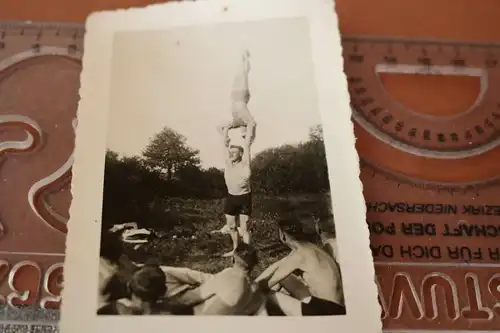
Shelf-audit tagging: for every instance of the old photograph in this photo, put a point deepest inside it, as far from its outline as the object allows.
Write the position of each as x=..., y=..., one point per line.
x=217, y=168
x=219, y=173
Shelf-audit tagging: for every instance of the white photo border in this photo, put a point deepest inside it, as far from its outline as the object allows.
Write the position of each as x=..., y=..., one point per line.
x=81, y=267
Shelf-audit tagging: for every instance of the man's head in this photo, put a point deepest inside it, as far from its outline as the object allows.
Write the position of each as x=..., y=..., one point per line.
x=148, y=283
x=325, y=226
x=245, y=256
x=292, y=231
x=235, y=153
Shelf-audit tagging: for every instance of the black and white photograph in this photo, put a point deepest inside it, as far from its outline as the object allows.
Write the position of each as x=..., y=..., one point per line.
x=216, y=174
x=228, y=180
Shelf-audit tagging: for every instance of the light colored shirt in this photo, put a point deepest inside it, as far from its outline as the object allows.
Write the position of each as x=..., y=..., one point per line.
x=237, y=177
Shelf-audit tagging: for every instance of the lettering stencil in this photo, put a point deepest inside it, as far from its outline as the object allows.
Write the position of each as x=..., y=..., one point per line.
x=430, y=186
x=430, y=178
x=39, y=81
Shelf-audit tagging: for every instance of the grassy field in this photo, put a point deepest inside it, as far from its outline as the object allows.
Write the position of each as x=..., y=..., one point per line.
x=190, y=244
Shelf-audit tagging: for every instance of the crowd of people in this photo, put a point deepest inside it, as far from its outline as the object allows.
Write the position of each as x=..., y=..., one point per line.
x=306, y=282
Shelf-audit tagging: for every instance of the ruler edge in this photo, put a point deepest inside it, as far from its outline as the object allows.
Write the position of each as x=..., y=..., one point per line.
x=4, y=25
x=25, y=23
x=378, y=39
x=361, y=38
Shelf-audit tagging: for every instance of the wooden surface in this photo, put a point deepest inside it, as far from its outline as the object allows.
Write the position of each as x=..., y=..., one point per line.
x=467, y=20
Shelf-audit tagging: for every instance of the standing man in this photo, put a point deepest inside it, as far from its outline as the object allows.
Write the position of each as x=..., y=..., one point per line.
x=238, y=205
x=237, y=158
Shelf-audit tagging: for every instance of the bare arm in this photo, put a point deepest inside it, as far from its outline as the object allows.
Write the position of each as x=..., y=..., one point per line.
x=250, y=133
x=249, y=138
x=280, y=270
x=193, y=297
x=186, y=276
x=224, y=129
x=200, y=294
x=269, y=271
x=286, y=268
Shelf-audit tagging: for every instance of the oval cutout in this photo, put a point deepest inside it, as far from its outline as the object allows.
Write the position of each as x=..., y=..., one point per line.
x=433, y=94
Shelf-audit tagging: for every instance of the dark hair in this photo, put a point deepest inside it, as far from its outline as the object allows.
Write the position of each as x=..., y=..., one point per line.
x=291, y=226
x=149, y=283
x=240, y=148
x=117, y=287
x=248, y=254
x=111, y=246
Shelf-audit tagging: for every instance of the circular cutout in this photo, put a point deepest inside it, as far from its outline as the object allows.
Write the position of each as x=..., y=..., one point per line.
x=399, y=116
x=414, y=91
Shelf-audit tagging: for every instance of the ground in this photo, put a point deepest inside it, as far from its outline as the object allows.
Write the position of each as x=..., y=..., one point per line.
x=190, y=244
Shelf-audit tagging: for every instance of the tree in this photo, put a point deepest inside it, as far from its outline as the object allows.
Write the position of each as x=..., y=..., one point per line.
x=316, y=133
x=273, y=168
x=299, y=168
x=315, y=149
x=168, y=152
x=216, y=185
x=131, y=191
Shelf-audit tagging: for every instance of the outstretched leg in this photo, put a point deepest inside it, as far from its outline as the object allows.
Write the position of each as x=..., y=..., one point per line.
x=240, y=94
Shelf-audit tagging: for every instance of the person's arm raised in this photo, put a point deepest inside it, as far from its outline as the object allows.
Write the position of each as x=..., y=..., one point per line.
x=224, y=129
x=249, y=138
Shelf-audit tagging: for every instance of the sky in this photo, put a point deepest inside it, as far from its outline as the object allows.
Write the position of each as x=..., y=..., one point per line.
x=182, y=79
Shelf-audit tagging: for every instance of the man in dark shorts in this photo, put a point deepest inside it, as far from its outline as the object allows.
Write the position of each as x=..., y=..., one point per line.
x=238, y=204
x=318, y=269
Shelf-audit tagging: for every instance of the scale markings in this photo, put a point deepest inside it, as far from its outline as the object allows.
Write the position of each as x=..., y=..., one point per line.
x=431, y=138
